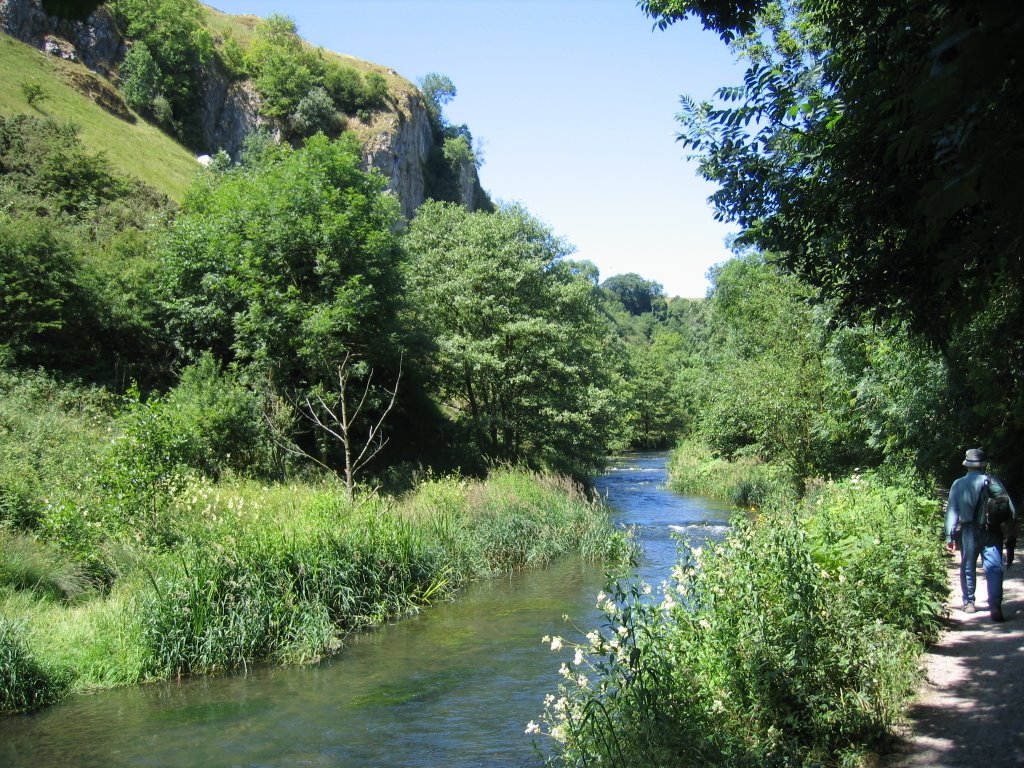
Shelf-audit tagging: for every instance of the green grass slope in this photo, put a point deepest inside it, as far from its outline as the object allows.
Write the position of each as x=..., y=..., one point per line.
x=78, y=96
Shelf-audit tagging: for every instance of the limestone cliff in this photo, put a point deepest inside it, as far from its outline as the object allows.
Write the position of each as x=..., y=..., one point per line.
x=397, y=142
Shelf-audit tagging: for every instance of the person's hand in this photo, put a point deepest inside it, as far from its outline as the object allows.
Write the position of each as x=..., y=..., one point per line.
x=951, y=547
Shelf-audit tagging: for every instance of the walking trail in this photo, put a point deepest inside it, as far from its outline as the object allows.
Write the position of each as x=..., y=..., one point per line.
x=970, y=712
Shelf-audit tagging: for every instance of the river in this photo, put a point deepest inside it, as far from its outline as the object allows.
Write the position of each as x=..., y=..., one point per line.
x=453, y=686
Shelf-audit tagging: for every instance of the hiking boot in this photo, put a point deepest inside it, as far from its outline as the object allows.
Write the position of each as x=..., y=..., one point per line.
x=996, y=612
x=969, y=608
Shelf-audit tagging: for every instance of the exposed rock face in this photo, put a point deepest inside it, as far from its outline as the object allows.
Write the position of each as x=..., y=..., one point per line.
x=469, y=183
x=228, y=112
x=229, y=109
x=401, y=153
x=95, y=42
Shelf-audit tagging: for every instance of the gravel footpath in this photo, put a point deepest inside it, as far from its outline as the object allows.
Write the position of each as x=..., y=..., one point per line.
x=970, y=712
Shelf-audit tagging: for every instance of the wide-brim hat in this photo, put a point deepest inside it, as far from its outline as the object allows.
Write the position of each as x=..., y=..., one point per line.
x=975, y=458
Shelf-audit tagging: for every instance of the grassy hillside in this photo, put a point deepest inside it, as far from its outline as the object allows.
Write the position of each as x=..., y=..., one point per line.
x=74, y=94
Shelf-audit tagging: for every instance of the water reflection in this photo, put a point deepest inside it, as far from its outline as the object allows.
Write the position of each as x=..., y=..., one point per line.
x=453, y=686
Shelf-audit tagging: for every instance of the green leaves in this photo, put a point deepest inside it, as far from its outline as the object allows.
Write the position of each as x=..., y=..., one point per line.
x=518, y=337
x=287, y=263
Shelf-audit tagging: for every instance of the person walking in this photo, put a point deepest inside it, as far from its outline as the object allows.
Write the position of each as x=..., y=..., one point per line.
x=966, y=497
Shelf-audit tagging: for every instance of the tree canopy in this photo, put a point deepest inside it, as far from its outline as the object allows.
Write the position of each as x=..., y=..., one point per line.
x=873, y=148
x=286, y=265
x=518, y=335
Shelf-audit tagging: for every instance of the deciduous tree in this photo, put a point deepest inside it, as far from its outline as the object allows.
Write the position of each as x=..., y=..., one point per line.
x=518, y=335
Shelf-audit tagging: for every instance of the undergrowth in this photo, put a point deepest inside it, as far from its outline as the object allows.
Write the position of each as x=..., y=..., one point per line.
x=794, y=643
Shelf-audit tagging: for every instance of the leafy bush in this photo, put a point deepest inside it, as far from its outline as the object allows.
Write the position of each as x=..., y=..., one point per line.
x=174, y=33
x=793, y=643
x=33, y=91
x=221, y=422
x=140, y=78
x=314, y=113
x=346, y=87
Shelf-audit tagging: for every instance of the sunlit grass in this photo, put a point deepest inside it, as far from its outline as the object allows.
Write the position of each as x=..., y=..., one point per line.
x=282, y=573
x=746, y=482
x=136, y=148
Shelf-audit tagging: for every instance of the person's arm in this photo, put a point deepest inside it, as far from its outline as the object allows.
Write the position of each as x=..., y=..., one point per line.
x=952, y=519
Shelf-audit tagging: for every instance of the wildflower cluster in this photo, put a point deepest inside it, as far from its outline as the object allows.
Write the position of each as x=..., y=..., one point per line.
x=623, y=662
x=791, y=642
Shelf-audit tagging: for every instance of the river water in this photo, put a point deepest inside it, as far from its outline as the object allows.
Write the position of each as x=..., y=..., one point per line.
x=453, y=686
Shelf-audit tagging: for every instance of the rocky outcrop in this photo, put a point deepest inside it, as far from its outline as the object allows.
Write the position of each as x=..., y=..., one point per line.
x=95, y=42
x=400, y=151
x=398, y=145
x=228, y=112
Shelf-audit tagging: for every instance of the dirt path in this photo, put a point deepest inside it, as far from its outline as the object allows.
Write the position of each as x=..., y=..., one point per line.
x=970, y=712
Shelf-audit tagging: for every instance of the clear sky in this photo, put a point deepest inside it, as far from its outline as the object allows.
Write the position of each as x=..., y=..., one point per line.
x=574, y=103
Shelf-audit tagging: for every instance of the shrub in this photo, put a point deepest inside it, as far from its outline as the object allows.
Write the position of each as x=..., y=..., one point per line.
x=33, y=92
x=789, y=644
x=140, y=78
x=315, y=112
x=346, y=87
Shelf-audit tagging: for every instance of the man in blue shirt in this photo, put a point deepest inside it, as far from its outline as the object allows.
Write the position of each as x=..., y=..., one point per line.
x=962, y=512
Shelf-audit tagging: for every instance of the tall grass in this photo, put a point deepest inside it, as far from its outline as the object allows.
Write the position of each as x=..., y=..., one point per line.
x=283, y=573
x=28, y=564
x=24, y=684
x=795, y=642
x=746, y=482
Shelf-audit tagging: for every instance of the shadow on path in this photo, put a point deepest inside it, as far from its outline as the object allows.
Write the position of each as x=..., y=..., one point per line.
x=970, y=712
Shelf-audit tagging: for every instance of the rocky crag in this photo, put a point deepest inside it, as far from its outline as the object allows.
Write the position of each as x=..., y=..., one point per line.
x=398, y=142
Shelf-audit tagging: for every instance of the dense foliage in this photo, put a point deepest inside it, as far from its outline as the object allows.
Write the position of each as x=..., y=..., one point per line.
x=793, y=643
x=872, y=148
x=171, y=45
x=518, y=334
x=75, y=291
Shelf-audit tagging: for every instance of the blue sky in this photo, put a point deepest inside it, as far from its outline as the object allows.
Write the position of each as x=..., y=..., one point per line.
x=574, y=103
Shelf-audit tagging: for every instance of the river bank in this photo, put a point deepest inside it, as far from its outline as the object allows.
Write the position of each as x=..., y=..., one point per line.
x=454, y=685
x=258, y=574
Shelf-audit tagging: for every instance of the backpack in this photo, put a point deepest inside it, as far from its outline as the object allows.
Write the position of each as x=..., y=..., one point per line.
x=993, y=509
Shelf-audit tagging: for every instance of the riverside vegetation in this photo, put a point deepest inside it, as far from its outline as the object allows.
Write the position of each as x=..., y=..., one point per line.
x=185, y=367
x=185, y=575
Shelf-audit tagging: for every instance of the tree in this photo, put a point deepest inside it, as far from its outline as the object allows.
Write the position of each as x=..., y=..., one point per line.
x=762, y=390
x=517, y=332
x=34, y=92
x=438, y=91
x=873, y=148
x=140, y=78
x=637, y=295
x=287, y=267
x=283, y=74
x=337, y=415
x=175, y=35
